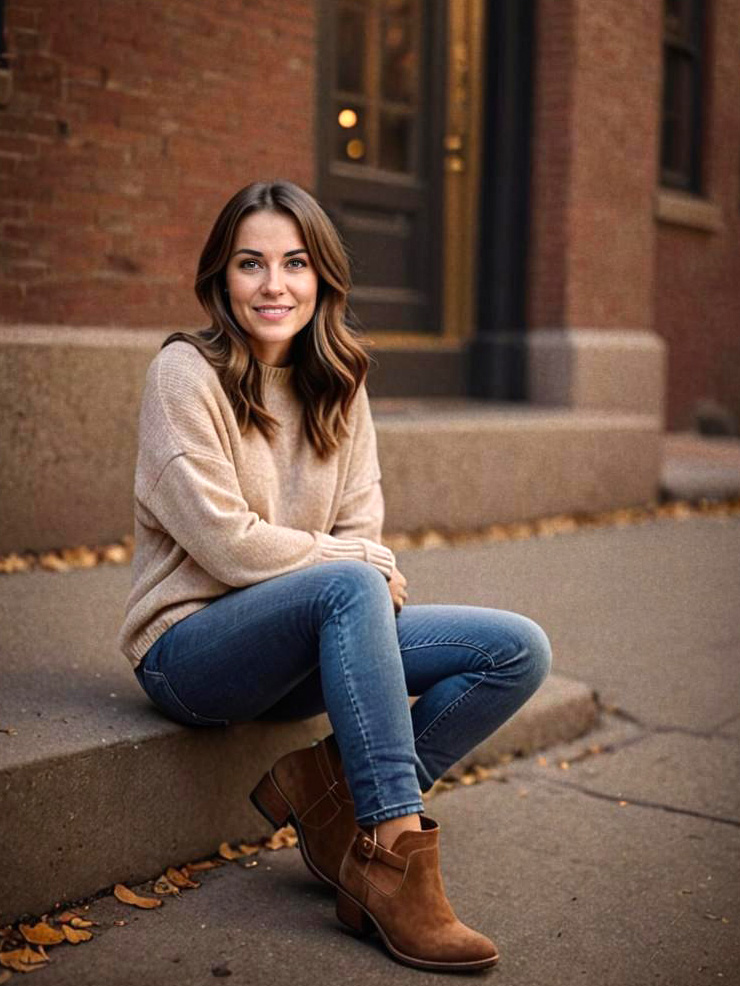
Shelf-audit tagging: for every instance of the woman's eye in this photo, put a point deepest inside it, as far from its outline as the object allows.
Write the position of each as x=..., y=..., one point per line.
x=297, y=260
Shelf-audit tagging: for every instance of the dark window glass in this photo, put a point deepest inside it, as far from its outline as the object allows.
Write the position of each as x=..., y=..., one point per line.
x=683, y=41
x=376, y=92
x=351, y=32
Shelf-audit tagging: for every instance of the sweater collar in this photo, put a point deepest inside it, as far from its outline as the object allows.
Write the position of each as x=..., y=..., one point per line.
x=277, y=374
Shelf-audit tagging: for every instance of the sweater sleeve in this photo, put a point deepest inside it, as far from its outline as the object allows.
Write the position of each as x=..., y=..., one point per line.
x=198, y=501
x=362, y=507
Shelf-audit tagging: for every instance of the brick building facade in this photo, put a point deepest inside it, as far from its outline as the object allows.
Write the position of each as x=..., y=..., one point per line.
x=124, y=125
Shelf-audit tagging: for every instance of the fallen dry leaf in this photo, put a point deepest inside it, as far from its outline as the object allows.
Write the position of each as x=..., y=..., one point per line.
x=178, y=878
x=52, y=562
x=75, y=935
x=78, y=922
x=14, y=563
x=204, y=864
x=41, y=934
x=5, y=976
x=284, y=838
x=80, y=557
x=227, y=852
x=10, y=730
x=250, y=848
x=127, y=896
x=23, y=959
x=163, y=886
x=65, y=916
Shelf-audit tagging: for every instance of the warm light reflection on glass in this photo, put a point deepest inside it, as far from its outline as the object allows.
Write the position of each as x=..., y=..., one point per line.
x=355, y=149
x=347, y=118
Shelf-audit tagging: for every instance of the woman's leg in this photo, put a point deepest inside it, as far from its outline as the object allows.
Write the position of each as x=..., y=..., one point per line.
x=472, y=668
x=245, y=651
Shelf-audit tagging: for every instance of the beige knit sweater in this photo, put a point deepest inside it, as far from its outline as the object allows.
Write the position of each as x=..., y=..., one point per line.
x=215, y=510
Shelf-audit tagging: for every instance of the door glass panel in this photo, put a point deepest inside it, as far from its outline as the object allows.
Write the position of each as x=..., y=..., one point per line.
x=351, y=33
x=399, y=55
x=351, y=139
x=396, y=136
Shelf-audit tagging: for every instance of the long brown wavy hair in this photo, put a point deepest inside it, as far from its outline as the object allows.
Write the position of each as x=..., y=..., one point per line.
x=331, y=361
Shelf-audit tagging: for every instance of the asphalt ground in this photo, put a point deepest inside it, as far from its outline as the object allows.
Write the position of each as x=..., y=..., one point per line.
x=614, y=860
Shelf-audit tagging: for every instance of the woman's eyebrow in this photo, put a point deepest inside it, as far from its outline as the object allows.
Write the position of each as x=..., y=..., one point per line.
x=258, y=253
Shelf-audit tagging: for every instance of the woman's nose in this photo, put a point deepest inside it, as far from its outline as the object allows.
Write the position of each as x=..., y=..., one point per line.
x=274, y=283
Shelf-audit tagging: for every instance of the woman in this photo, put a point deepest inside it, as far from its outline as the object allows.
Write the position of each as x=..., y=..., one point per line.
x=261, y=588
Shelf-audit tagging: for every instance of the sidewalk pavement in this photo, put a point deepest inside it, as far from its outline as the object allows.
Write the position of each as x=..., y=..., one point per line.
x=613, y=860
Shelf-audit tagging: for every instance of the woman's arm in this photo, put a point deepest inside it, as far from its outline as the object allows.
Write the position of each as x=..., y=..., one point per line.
x=362, y=507
x=198, y=501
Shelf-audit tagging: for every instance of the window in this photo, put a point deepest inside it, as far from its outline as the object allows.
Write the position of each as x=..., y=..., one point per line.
x=376, y=83
x=683, y=43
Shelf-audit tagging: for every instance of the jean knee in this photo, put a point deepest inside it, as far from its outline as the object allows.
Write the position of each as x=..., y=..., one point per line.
x=354, y=580
x=539, y=658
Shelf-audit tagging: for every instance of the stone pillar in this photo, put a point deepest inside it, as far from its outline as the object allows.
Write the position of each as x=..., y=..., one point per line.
x=597, y=99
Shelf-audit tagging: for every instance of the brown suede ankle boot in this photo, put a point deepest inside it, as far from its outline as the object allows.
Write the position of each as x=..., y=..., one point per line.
x=308, y=788
x=399, y=893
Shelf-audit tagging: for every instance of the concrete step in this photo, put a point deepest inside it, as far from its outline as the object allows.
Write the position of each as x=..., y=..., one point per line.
x=97, y=787
x=70, y=447
x=696, y=466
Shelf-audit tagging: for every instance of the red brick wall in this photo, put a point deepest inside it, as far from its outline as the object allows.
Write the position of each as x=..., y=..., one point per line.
x=130, y=124
x=697, y=299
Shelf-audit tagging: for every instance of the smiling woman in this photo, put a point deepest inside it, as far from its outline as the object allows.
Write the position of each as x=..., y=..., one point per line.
x=262, y=589
x=271, y=283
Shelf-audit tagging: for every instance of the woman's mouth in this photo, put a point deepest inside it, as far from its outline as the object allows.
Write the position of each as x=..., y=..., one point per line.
x=273, y=312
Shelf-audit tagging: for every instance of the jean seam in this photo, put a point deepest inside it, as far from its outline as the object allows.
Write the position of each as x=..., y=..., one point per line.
x=189, y=713
x=449, y=708
x=467, y=643
x=336, y=619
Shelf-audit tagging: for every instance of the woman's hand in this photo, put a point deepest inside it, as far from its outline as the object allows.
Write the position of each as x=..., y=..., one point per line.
x=397, y=585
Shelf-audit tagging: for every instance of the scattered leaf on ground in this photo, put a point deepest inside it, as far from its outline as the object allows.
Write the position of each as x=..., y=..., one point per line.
x=163, y=887
x=75, y=935
x=41, y=934
x=10, y=730
x=5, y=976
x=204, y=864
x=227, y=852
x=127, y=896
x=23, y=959
x=250, y=848
x=178, y=878
x=284, y=838
x=65, y=916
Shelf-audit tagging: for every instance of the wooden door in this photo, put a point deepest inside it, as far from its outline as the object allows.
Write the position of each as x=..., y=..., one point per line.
x=380, y=160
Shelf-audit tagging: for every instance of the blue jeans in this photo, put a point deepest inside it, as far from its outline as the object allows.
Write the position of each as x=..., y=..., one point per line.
x=327, y=638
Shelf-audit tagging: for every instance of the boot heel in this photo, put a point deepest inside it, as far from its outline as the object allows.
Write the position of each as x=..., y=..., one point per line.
x=351, y=914
x=268, y=800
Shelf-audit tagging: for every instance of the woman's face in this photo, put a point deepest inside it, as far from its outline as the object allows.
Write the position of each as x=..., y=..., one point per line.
x=272, y=283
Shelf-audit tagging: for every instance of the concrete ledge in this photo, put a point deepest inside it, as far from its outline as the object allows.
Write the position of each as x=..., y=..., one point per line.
x=97, y=787
x=69, y=430
x=592, y=368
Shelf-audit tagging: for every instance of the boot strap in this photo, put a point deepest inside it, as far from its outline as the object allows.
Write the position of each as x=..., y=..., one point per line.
x=367, y=849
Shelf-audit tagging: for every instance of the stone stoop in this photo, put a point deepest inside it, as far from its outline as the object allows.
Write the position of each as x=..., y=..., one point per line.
x=69, y=431
x=97, y=787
